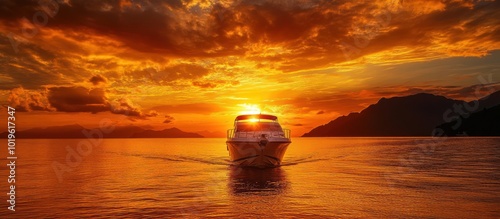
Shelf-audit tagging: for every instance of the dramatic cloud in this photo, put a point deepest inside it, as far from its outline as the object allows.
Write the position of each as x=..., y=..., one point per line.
x=315, y=58
x=74, y=99
x=78, y=99
x=25, y=101
x=294, y=35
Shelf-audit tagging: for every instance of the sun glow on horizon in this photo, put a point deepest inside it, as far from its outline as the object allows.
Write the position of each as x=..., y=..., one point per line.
x=249, y=109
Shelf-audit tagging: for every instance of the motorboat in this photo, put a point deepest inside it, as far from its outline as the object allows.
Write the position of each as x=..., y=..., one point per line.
x=257, y=140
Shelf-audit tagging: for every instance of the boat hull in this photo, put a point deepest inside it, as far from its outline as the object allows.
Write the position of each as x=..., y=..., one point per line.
x=256, y=154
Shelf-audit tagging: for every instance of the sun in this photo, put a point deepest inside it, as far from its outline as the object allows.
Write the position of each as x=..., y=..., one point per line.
x=253, y=120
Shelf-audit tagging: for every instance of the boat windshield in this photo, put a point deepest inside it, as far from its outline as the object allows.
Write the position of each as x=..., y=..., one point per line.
x=258, y=126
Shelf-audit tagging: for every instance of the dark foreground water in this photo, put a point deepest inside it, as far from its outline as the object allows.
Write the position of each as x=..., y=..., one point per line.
x=320, y=178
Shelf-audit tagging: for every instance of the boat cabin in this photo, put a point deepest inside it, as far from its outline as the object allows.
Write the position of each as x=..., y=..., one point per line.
x=249, y=126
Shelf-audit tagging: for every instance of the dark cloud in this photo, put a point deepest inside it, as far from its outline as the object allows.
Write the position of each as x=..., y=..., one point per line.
x=126, y=107
x=309, y=26
x=97, y=79
x=168, y=119
x=78, y=99
x=214, y=83
x=74, y=99
x=445, y=26
x=304, y=28
x=471, y=92
x=30, y=67
x=138, y=27
x=293, y=124
x=204, y=84
x=207, y=84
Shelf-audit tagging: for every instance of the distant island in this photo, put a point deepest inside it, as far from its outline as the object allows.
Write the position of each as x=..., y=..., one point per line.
x=76, y=131
x=418, y=115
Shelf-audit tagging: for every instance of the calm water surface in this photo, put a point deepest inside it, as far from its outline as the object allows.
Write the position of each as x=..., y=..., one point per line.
x=320, y=178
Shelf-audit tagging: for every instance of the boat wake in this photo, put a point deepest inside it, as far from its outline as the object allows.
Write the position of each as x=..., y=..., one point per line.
x=178, y=158
x=223, y=161
x=302, y=160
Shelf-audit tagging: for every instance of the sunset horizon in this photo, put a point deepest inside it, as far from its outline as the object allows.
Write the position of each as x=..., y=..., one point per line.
x=250, y=108
x=211, y=133
x=196, y=65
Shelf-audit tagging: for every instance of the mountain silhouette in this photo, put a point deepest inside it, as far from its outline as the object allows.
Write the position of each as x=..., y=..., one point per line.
x=488, y=101
x=482, y=123
x=414, y=115
x=76, y=131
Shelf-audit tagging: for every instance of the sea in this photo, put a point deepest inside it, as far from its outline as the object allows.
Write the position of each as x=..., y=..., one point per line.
x=395, y=177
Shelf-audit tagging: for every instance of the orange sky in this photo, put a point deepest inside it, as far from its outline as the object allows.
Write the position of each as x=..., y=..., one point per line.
x=195, y=65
